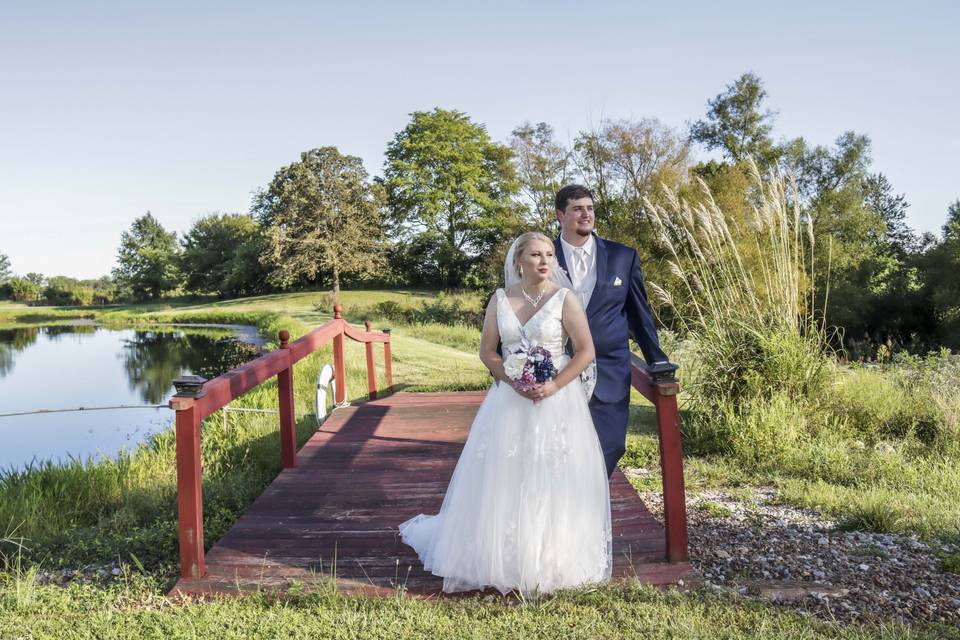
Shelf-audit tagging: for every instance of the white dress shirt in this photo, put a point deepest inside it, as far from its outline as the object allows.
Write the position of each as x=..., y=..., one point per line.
x=584, y=286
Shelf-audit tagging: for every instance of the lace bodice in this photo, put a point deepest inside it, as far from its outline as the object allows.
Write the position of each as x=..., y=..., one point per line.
x=544, y=327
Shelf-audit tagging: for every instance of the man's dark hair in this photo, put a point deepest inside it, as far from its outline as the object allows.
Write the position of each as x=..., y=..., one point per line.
x=571, y=192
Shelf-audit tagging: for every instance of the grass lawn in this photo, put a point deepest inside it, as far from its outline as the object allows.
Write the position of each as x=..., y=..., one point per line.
x=134, y=609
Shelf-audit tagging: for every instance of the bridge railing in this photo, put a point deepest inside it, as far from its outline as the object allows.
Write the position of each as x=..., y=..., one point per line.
x=659, y=385
x=197, y=399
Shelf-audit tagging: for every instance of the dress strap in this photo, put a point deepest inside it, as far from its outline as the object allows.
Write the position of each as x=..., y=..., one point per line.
x=557, y=311
x=560, y=294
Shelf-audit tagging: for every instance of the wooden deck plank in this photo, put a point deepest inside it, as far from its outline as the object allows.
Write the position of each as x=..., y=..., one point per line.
x=370, y=467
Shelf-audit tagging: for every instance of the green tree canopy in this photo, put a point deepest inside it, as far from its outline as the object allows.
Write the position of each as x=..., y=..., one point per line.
x=879, y=197
x=447, y=180
x=737, y=124
x=543, y=167
x=221, y=255
x=951, y=228
x=5, y=271
x=65, y=290
x=147, y=259
x=24, y=290
x=627, y=161
x=321, y=217
x=940, y=265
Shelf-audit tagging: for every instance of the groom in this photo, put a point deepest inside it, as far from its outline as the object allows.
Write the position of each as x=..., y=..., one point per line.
x=606, y=278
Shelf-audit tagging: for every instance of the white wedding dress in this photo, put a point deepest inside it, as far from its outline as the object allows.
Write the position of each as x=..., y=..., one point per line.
x=528, y=505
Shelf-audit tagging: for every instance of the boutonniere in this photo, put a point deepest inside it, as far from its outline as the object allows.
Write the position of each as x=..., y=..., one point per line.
x=617, y=281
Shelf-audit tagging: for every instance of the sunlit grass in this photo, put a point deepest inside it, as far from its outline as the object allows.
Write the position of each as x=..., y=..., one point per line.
x=132, y=608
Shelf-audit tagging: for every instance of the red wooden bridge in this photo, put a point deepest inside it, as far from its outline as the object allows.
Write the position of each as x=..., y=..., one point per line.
x=332, y=513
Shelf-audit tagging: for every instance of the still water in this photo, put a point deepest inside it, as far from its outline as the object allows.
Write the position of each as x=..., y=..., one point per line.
x=65, y=367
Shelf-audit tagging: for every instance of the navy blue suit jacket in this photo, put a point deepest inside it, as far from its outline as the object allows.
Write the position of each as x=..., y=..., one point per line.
x=616, y=312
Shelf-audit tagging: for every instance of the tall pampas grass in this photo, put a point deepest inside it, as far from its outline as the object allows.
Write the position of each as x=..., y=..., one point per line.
x=743, y=293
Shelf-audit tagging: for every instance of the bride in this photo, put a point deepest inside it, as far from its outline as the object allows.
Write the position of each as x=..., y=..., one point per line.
x=528, y=505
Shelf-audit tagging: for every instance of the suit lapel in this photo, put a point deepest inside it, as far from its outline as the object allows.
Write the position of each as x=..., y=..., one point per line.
x=601, y=271
x=561, y=259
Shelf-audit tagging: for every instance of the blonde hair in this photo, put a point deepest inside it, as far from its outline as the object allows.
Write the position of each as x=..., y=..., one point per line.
x=521, y=245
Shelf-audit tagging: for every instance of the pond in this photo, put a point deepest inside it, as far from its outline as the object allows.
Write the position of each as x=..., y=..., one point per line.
x=67, y=367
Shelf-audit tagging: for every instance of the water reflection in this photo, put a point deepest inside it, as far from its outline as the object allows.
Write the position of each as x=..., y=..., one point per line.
x=153, y=359
x=69, y=329
x=90, y=366
x=13, y=341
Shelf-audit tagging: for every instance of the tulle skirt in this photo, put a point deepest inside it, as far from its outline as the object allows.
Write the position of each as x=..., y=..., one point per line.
x=528, y=505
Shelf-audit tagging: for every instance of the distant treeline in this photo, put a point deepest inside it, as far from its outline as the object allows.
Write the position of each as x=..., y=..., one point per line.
x=451, y=198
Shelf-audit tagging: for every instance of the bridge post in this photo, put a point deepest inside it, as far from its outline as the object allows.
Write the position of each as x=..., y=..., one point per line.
x=288, y=424
x=189, y=485
x=387, y=360
x=339, y=359
x=671, y=468
x=371, y=367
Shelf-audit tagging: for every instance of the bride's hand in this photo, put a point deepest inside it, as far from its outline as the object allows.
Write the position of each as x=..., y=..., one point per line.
x=530, y=394
x=547, y=389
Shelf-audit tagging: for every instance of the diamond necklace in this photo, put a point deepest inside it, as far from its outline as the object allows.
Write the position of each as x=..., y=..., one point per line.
x=531, y=300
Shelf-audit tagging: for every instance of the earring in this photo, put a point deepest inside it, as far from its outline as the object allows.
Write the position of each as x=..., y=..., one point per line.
x=520, y=268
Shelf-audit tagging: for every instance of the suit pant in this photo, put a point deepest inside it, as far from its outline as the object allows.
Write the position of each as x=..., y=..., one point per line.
x=610, y=421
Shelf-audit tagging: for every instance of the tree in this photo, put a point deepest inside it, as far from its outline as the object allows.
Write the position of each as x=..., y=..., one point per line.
x=447, y=180
x=849, y=207
x=221, y=255
x=5, y=271
x=36, y=278
x=951, y=228
x=543, y=168
x=321, y=216
x=879, y=197
x=23, y=289
x=147, y=259
x=940, y=265
x=627, y=161
x=736, y=123
x=104, y=289
x=63, y=290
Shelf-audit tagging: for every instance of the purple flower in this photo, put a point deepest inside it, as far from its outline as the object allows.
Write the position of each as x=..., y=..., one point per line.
x=537, y=366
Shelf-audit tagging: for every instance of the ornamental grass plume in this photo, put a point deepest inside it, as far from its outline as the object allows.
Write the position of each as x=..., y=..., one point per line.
x=744, y=295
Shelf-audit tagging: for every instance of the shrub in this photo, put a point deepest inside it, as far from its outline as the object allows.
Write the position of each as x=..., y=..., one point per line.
x=441, y=310
x=744, y=297
x=911, y=398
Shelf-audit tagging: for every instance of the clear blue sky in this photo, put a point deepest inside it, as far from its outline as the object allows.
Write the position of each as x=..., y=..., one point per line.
x=111, y=109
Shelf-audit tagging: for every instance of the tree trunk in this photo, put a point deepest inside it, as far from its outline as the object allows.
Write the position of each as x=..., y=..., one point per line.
x=336, y=281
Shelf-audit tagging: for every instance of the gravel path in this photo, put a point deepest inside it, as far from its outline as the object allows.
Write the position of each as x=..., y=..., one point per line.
x=762, y=550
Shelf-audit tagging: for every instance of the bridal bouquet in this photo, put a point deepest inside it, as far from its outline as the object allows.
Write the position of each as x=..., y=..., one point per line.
x=529, y=366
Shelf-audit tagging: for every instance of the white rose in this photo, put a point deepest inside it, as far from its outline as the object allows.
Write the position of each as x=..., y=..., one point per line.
x=513, y=365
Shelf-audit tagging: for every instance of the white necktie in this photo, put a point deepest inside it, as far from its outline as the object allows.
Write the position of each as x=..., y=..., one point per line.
x=580, y=264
